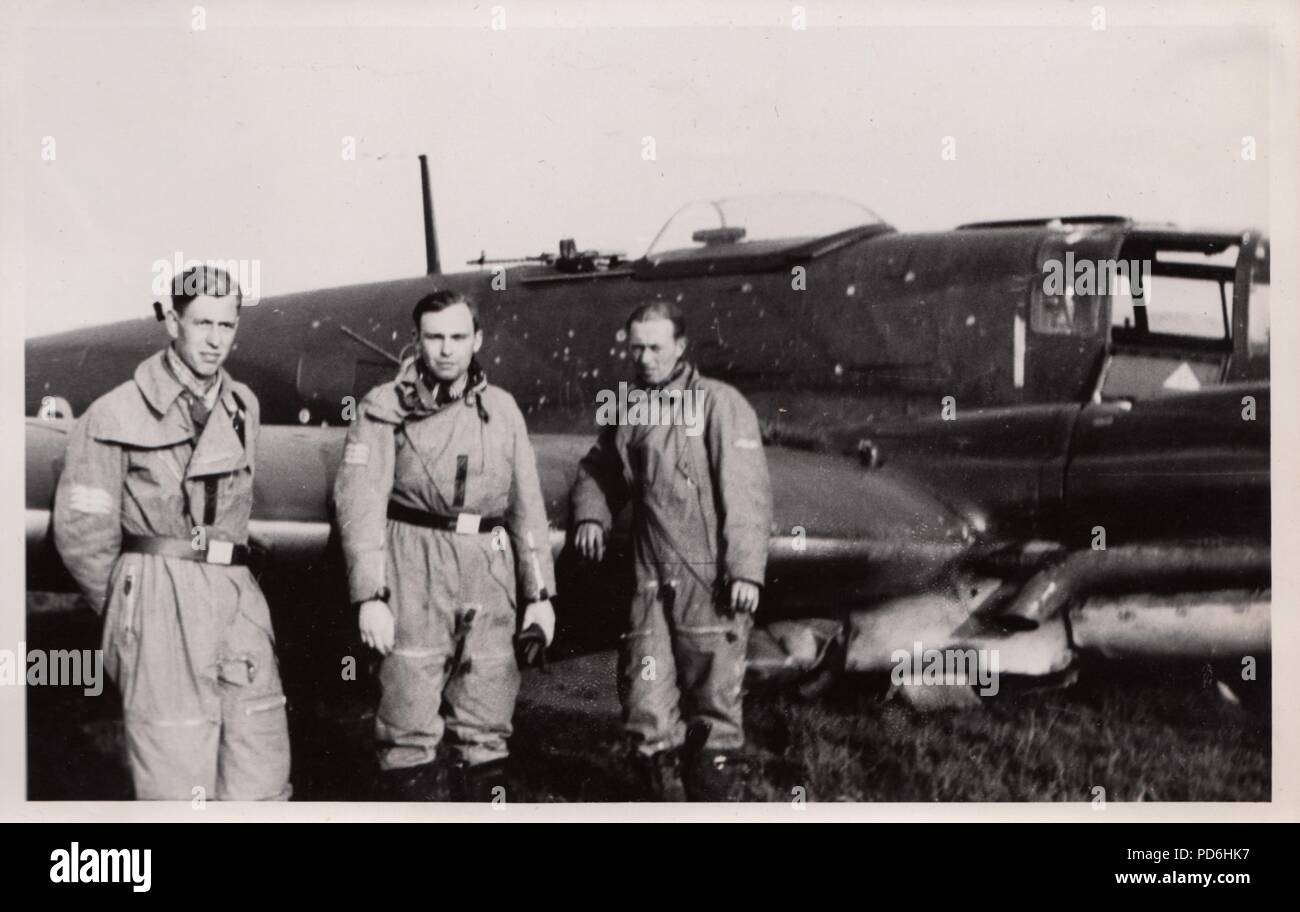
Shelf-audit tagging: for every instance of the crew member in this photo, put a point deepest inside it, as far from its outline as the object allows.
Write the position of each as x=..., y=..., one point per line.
x=445, y=533
x=701, y=513
x=151, y=518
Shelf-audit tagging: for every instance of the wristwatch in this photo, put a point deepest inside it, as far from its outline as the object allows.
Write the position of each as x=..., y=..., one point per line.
x=382, y=596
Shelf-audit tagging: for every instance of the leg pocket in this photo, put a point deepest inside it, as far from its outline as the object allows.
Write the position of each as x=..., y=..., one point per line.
x=121, y=639
x=254, y=761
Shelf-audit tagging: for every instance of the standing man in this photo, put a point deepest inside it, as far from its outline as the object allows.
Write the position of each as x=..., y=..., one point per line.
x=701, y=514
x=443, y=526
x=151, y=518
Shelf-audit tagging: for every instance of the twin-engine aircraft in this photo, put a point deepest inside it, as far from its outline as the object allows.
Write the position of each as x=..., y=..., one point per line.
x=1020, y=441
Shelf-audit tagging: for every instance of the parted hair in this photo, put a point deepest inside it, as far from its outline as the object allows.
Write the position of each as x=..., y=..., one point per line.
x=439, y=301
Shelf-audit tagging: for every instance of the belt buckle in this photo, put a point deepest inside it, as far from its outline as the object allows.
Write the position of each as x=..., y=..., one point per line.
x=219, y=552
x=467, y=523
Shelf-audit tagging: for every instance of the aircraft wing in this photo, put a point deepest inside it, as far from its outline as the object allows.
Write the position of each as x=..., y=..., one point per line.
x=834, y=523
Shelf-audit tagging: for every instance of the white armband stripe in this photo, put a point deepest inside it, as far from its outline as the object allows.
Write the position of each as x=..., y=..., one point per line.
x=85, y=499
x=356, y=454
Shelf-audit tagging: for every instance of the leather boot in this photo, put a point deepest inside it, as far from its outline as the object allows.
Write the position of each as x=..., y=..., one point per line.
x=480, y=782
x=711, y=775
x=716, y=775
x=426, y=782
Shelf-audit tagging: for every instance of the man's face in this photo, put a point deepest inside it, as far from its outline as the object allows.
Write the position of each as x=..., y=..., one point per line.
x=204, y=333
x=654, y=350
x=448, y=341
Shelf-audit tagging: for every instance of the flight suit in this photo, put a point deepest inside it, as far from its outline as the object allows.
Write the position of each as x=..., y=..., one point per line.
x=701, y=516
x=188, y=642
x=453, y=591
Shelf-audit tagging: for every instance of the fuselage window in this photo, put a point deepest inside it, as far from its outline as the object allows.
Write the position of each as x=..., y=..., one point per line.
x=1067, y=314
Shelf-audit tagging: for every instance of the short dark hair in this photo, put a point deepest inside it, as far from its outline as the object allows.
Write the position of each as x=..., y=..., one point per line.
x=659, y=310
x=204, y=280
x=439, y=301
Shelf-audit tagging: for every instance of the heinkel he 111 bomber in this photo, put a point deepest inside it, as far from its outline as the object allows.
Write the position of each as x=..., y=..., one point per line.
x=1016, y=442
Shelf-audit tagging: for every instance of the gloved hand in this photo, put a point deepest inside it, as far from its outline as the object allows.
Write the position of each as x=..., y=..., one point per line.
x=543, y=615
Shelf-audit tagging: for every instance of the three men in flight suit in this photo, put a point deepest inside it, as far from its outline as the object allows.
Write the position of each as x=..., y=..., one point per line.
x=444, y=531
x=444, y=528
x=151, y=518
x=701, y=516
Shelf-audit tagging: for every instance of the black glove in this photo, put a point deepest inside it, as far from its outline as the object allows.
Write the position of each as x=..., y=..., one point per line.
x=530, y=647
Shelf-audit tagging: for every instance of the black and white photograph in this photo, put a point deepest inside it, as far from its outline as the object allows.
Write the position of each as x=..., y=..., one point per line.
x=449, y=409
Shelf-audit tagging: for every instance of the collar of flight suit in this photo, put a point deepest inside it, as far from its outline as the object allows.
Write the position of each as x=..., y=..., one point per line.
x=684, y=376
x=219, y=449
x=191, y=381
x=160, y=387
x=416, y=400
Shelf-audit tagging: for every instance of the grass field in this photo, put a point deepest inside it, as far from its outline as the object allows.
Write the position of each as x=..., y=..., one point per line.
x=1141, y=734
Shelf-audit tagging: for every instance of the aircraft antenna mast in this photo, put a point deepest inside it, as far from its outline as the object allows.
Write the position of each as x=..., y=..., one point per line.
x=430, y=233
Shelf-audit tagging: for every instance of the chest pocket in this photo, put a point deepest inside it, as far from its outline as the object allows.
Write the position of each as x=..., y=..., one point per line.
x=663, y=466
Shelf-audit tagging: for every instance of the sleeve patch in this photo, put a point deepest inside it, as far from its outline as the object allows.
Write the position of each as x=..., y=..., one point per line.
x=748, y=443
x=356, y=454
x=85, y=499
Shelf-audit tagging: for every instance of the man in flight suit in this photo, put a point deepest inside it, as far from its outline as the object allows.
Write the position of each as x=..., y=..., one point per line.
x=701, y=514
x=443, y=526
x=151, y=518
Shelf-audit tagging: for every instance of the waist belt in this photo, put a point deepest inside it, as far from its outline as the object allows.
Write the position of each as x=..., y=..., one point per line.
x=464, y=523
x=217, y=552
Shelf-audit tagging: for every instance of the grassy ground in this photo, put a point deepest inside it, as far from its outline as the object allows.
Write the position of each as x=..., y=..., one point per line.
x=1140, y=734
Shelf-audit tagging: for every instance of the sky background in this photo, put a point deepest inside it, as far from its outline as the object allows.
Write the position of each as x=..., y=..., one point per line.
x=227, y=141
